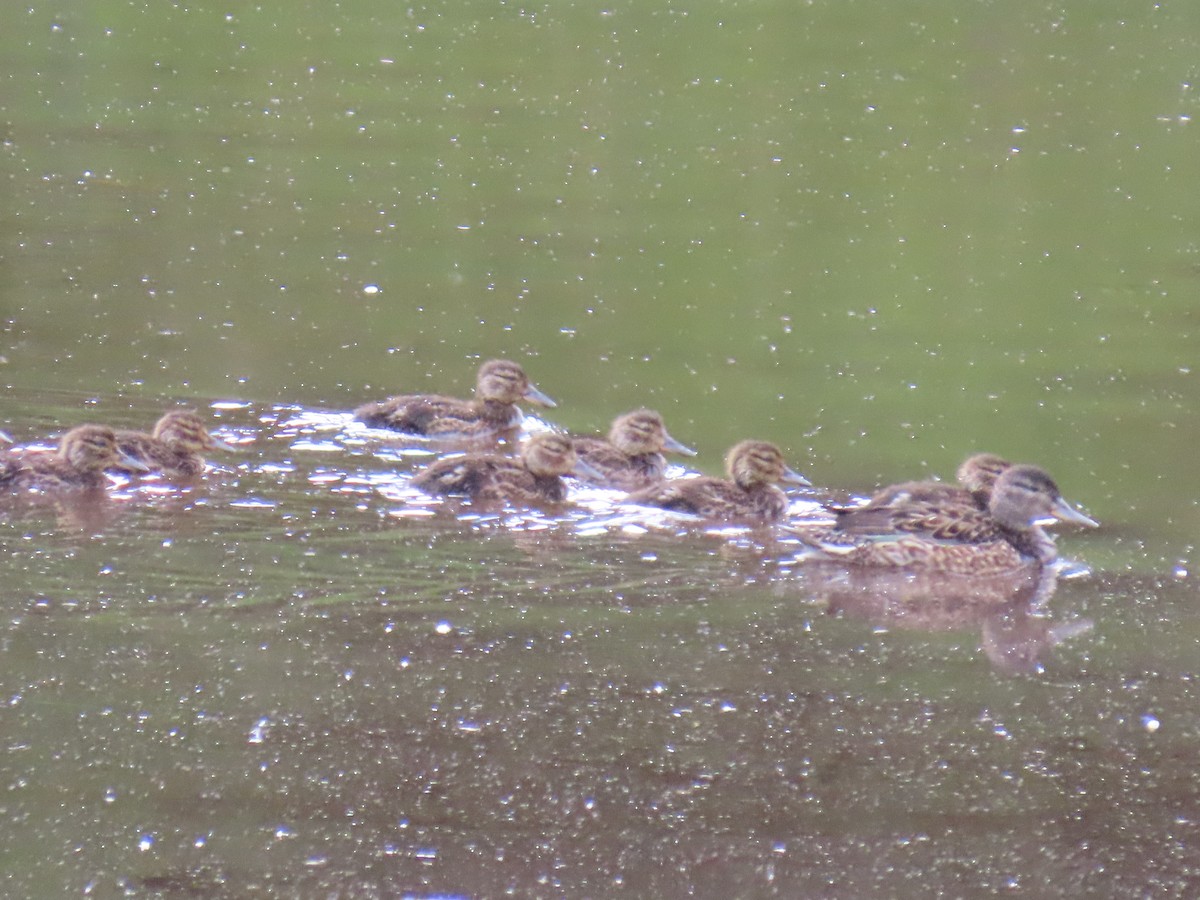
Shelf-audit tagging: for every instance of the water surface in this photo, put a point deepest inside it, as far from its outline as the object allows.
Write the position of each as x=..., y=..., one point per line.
x=882, y=241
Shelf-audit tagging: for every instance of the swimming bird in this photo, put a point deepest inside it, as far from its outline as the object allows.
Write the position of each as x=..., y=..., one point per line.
x=174, y=448
x=78, y=464
x=535, y=478
x=954, y=538
x=750, y=494
x=631, y=457
x=493, y=411
x=976, y=476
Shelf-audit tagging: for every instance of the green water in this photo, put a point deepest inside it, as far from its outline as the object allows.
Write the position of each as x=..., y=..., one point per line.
x=881, y=235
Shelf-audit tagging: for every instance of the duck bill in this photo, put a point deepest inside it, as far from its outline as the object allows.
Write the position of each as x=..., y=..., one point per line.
x=1064, y=512
x=791, y=476
x=132, y=463
x=533, y=395
x=216, y=443
x=585, y=470
x=669, y=443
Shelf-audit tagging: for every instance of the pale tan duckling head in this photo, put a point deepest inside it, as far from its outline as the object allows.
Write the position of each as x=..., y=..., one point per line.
x=1025, y=496
x=547, y=453
x=978, y=473
x=752, y=463
x=184, y=430
x=642, y=431
x=503, y=381
x=93, y=448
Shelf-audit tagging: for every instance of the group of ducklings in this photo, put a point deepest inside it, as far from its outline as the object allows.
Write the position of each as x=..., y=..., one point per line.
x=174, y=448
x=629, y=459
x=992, y=521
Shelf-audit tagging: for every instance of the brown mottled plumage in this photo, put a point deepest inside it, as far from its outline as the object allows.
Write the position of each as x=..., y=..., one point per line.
x=749, y=496
x=493, y=411
x=976, y=477
x=952, y=537
x=175, y=448
x=83, y=454
x=631, y=457
x=535, y=478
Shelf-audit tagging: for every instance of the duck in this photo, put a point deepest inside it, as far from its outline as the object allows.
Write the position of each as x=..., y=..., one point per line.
x=535, y=478
x=174, y=448
x=952, y=537
x=493, y=412
x=631, y=457
x=976, y=476
x=78, y=464
x=750, y=495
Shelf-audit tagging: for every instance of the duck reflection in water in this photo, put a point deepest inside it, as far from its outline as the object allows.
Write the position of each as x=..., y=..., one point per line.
x=493, y=413
x=1010, y=610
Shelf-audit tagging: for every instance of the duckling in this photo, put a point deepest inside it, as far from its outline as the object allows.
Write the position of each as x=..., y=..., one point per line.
x=976, y=476
x=175, y=446
x=953, y=538
x=83, y=454
x=631, y=457
x=533, y=479
x=498, y=387
x=750, y=495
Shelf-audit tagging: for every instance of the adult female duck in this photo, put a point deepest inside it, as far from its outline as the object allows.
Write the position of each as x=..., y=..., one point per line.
x=952, y=538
